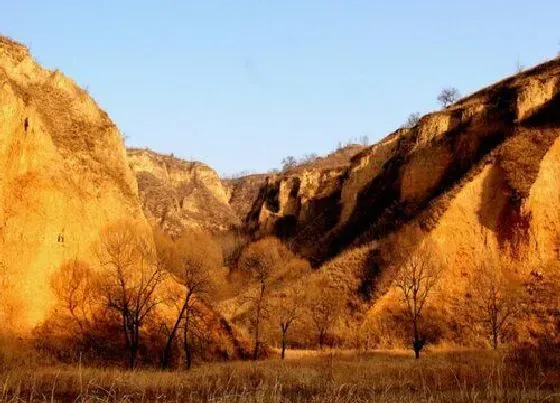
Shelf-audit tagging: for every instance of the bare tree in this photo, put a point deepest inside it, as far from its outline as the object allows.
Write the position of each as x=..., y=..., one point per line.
x=417, y=276
x=74, y=285
x=287, y=308
x=324, y=307
x=260, y=260
x=132, y=277
x=412, y=120
x=193, y=259
x=448, y=96
x=288, y=162
x=496, y=294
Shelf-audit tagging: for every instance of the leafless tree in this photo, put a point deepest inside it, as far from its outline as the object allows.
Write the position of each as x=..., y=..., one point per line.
x=448, y=96
x=519, y=67
x=192, y=260
x=260, y=260
x=287, y=307
x=324, y=307
x=75, y=286
x=288, y=162
x=412, y=120
x=132, y=277
x=496, y=294
x=418, y=274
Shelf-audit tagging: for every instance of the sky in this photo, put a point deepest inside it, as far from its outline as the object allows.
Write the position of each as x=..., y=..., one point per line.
x=241, y=84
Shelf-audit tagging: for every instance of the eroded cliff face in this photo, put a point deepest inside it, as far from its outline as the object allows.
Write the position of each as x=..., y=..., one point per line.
x=414, y=173
x=177, y=194
x=244, y=192
x=302, y=202
x=481, y=176
x=63, y=177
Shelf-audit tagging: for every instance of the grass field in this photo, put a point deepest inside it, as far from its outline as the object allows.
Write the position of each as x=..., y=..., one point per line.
x=304, y=376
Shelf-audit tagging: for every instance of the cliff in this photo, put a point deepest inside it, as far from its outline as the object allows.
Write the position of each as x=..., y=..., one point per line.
x=508, y=130
x=480, y=176
x=177, y=194
x=63, y=177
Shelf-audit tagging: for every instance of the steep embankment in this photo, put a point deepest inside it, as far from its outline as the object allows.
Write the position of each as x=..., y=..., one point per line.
x=64, y=176
x=301, y=202
x=177, y=194
x=480, y=175
x=511, y=125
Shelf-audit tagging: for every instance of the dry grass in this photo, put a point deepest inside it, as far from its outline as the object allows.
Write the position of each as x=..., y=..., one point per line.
x=327, y=377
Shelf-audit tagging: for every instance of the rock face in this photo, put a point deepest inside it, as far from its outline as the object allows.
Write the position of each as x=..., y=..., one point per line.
x=507, y=133
x=176, y=194
x=244, y=192
x=482, y=174
x=63, y=177
x=301, y=203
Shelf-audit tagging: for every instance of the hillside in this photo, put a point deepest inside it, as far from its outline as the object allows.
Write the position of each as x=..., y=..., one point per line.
x=177, y=194
x=511, y=126
x=479, y=177
x=64, y=176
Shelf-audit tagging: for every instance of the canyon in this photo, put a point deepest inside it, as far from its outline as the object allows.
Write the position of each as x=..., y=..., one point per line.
x=480, y=174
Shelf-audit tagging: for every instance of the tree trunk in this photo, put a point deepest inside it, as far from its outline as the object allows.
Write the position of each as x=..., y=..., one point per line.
x=166, y=355
x=257, y=323
x=321, y=339
x=188, y=356
x=257, y=320
x=494, y=339
x=416, y=344
x=186, y=344
x=166, y=358
x=132, y=352
x=283, y=344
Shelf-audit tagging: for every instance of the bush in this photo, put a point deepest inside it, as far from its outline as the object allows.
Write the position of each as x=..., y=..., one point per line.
x=535, y=357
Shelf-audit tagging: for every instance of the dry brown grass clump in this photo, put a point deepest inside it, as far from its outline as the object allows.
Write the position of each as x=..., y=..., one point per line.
x=329, y=377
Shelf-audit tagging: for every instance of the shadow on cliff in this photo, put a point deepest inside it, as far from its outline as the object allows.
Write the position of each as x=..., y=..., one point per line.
x=382, y=207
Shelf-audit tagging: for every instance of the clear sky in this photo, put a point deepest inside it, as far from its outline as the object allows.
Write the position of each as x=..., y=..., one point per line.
x=241, y=84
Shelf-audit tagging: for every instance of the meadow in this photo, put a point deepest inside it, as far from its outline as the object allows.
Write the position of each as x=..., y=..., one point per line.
x=305, y=376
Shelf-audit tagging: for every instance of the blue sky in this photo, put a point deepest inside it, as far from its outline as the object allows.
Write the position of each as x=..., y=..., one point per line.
x=241, y=84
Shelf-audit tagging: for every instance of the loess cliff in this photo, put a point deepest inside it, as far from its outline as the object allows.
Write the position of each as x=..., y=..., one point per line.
x=63, y=176
x=177, y=194
x=482, y=174
x=508, y=130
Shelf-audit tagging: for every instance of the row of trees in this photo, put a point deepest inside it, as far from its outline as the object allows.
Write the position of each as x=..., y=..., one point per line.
x=144, y=292
x=137, y=280
x=494, y=297
x=285, y=292
x=168, y=287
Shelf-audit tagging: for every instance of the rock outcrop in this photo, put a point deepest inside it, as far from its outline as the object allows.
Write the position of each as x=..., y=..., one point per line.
x=508, y=131
x=244, y=192
x=177, y=194
x=63, y=177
